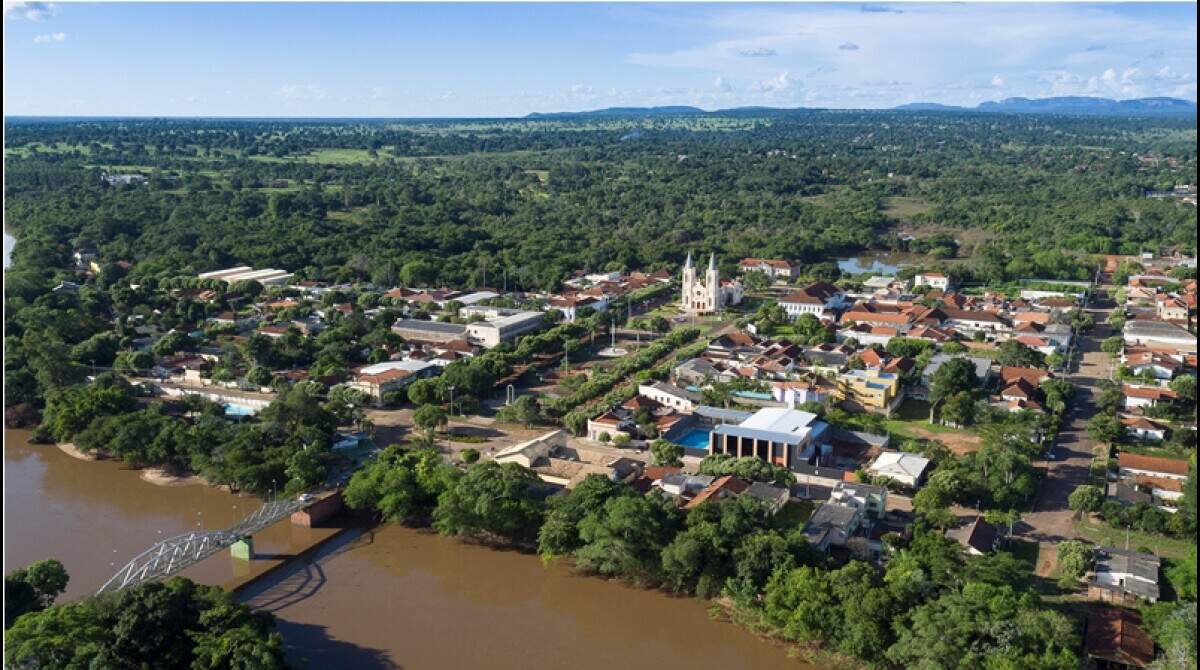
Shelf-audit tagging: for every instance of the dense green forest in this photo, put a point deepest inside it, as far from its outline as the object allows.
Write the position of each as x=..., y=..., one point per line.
x=176, y=624
x=453, y=202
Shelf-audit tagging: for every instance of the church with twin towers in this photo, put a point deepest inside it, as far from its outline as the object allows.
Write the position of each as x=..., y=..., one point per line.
x=707, y=294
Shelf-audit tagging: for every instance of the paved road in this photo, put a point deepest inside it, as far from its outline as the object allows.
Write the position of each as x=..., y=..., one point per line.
x=1051, y=521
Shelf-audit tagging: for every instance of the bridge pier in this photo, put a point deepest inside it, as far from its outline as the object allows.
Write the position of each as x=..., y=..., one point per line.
x=243, y=549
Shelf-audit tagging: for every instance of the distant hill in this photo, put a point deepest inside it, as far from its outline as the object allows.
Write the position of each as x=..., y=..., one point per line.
x=675, y=110
x=1077, y=105
x=1071, y=105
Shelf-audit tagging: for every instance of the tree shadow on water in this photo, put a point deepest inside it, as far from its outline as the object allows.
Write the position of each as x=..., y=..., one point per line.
x=310, y=646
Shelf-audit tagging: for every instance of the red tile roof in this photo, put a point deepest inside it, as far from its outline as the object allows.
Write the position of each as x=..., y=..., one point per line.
x=1116, y=635
x=1147, y=392
x=1172, y=466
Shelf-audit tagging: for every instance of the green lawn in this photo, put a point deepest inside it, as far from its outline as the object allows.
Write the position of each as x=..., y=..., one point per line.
x=903, y=208
x=1101, y=533
x=793, y=514
x=915, y=412
x=779, y=330
x=1024, y=551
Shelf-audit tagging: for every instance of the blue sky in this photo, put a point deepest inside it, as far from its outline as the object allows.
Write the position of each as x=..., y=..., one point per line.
x=308, y=59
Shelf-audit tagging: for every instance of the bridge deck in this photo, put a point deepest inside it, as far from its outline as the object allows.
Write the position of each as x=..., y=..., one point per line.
x=175, y=554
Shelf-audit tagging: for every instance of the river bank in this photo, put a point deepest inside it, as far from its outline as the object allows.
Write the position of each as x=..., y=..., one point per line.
x=74, y=452
x=96, y=514
x=157, y=476
x=391, y=597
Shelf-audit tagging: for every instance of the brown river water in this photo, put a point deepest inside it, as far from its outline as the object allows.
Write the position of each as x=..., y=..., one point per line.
x=389, y=598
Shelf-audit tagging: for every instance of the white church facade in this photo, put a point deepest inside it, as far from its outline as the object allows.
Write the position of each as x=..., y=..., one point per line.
x=709, y=294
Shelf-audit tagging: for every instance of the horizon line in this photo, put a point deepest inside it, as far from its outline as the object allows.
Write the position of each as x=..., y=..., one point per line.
x=526, y=116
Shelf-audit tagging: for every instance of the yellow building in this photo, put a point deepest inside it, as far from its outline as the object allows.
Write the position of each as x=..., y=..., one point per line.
x=875, y=390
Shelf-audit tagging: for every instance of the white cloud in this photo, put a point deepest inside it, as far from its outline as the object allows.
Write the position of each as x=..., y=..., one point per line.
x=782, y=82
x=721, y=85
x=50, y=37
x=302, y=93
x=758, y=52
x=1023, y=50
x=29, y=11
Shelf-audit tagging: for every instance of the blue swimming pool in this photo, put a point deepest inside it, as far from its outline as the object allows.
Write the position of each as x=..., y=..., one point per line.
x=755, y=395
x=234, y=409
x=696, y=438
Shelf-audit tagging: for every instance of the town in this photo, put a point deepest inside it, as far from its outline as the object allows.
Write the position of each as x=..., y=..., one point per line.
x=1049, y=422
x=594, y=336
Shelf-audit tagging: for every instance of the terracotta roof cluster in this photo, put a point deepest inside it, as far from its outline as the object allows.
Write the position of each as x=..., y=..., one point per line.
x=1171, y=466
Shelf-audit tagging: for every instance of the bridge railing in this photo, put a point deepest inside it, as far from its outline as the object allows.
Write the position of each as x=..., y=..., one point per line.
x=175, y=554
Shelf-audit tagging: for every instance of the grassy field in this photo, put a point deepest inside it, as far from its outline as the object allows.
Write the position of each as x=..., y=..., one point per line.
x=1099, y=532
x=328, y=157
x=903, y=209
x=911, y=420
x=914, y=412
x=57, y=148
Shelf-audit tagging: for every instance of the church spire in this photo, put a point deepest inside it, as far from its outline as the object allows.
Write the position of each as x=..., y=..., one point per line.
x=688, y=262
x=712, y=262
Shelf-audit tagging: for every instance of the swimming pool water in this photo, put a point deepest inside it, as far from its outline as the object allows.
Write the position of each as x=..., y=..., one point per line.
x=696, y=438
x=234, y=409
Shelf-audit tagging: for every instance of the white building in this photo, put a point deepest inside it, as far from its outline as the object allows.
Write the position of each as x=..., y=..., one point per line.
x=820, y=299
x=530, y=452
x=871, y=499
x=776, y=435
x=935, y=280
x=900, y=466
x=266, y=276
x=1122, y=575
x=710, y=294
x=381, y=378
x=500, y=324
x=773, y=268
x=669, y=395
x=1160, y=334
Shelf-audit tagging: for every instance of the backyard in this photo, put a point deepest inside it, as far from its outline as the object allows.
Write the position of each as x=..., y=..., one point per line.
x=1100, y=533
x=911, y=420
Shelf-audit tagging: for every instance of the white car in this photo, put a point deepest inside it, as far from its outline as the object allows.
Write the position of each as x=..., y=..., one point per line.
x=305, y=497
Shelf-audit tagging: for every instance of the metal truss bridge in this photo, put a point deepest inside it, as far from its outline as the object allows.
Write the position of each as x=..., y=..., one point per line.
x=174, y=554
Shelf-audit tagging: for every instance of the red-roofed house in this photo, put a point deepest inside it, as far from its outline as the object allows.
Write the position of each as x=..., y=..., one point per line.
x=1115, y=640
x=1133, y=465
x=1144, y=429
x=771, y=267
x=1145, y=396
x=817, y=299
